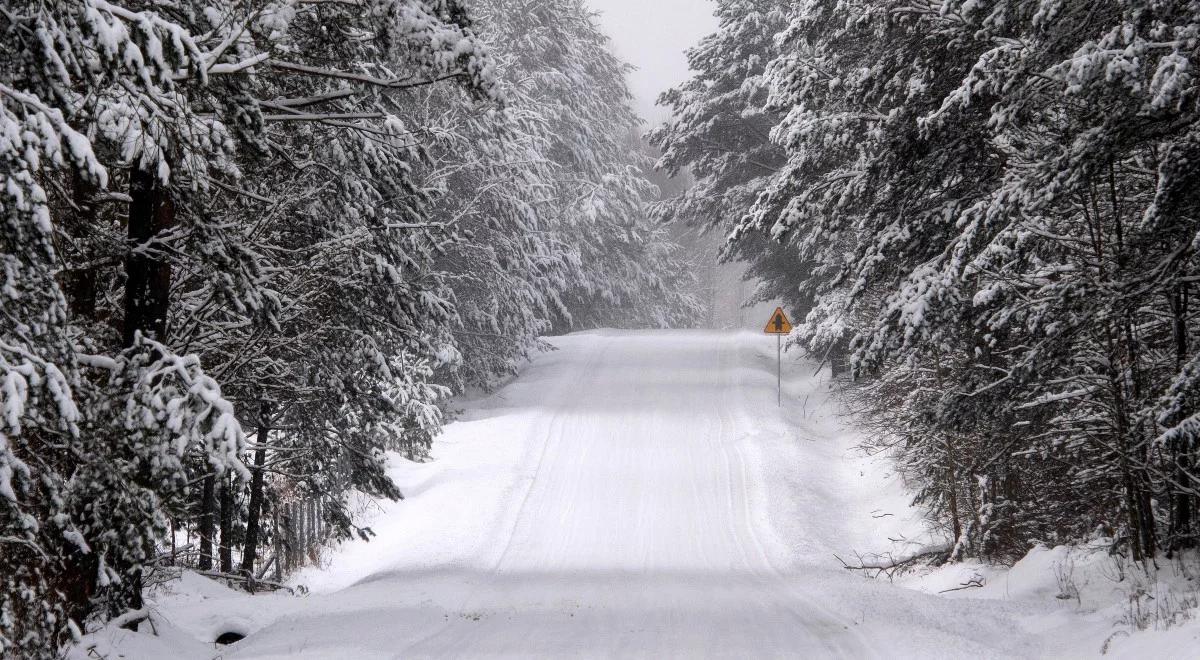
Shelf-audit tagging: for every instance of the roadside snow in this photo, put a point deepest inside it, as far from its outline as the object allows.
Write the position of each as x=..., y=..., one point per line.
x=1097, y=604
x=640, y=494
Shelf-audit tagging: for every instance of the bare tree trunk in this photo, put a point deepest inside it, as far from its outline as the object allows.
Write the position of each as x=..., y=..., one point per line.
x=226, y=524
x=250, y=551
x=1121, y=425
x=148, y=283
x=75, y=581
x=1179, y=312
x=838, y=363
x=952, y=489
x=297, y=535
x=1182, y=509
x=951, y=466
x=80, y=284
x=278, y=534
x=206, y=524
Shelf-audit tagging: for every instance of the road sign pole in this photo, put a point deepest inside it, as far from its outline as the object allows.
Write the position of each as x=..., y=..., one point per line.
x=779, y=325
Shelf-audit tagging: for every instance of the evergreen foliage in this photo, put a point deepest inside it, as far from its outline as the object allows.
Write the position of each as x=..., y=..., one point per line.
x=249, y=248
x=993, y=205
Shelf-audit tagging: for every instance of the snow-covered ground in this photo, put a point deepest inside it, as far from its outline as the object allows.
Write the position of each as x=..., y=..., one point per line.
x=640, y=494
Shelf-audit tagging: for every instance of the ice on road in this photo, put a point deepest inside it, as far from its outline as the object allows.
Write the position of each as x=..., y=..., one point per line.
x=631, y=494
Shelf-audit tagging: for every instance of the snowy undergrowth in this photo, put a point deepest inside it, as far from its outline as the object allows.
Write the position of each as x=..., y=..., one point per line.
x=1105, y=605
x=1101, y=605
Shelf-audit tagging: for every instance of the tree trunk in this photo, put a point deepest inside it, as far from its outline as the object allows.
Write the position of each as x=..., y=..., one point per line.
x=1182, y=509
x=249, y=552
x=280, y=558
x=148, y=283
x=206, y=524
x=1181, y=504
x=1179, y=312
x=838, y=362
x=80, y=284
x=952, y=489
x=1121, y=427
x=226, y=524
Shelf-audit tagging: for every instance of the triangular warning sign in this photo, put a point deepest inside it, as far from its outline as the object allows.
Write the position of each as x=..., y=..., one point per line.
x=779, y=323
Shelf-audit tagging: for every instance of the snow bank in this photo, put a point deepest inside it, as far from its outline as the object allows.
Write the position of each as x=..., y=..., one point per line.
x=641, y=494
x=1095, y=604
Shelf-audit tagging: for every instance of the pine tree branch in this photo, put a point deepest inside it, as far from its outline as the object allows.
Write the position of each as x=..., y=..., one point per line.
x=393, y=83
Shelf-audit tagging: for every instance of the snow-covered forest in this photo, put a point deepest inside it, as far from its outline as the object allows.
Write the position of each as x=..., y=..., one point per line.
x=988, y=212
x=256, y=253
x=250, y=247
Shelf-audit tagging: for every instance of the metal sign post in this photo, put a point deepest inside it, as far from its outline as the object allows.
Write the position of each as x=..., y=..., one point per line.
x=779, y=325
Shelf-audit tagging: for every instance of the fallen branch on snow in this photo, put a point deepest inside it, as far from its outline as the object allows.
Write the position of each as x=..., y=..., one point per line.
x=969, y=584
x=890, y=566
x=248, y=580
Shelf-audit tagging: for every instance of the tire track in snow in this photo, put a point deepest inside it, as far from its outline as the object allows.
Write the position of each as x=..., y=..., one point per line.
x=858, y=646
x=550, y=436
x=637, y=522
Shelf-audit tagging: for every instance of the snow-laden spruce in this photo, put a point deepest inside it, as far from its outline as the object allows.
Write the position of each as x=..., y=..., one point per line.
x=292, y=219
x=719, y=133
x=996, y=203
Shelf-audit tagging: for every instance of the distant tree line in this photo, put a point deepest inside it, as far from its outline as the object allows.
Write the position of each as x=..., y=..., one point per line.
x=989, y=210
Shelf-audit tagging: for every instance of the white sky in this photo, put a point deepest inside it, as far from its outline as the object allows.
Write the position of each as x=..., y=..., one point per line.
x=652, y=35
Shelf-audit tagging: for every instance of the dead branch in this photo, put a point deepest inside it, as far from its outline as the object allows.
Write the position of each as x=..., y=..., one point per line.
x=248, y=580
x=969, y=584
x=889, y=566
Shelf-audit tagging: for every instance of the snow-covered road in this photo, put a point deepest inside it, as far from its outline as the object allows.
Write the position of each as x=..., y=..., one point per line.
x=636, y=531
x=632, y=494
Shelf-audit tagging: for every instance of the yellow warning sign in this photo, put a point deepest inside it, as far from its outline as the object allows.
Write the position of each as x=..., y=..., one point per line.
x=779, y=323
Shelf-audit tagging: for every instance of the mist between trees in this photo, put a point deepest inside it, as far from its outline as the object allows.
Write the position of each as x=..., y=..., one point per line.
x=248, y=248
x=988, y=212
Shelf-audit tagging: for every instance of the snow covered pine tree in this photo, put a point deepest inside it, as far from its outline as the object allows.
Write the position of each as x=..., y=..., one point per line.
x=216, y=221
x=998, y=208
x=106, y=428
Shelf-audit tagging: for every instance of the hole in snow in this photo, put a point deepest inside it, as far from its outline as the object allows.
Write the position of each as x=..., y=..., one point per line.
x=229, y=638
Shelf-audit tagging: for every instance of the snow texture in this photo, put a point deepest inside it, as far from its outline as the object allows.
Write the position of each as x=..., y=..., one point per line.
x=639, y=494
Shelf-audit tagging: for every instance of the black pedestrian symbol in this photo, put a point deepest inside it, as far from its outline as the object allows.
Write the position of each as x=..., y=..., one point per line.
x=778, y=324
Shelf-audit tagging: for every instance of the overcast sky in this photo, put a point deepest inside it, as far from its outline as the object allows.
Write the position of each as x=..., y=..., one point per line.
x=652, y=35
